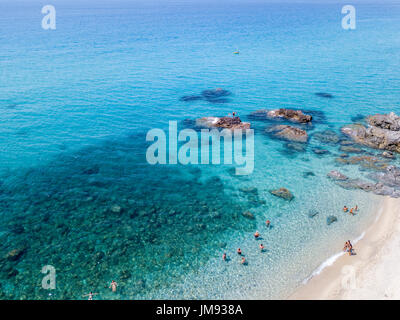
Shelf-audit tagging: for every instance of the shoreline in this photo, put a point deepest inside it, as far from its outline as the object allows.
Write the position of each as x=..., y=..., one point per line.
x=369, y=274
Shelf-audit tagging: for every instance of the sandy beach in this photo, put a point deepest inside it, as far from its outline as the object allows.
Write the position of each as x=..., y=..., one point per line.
x=372, y=273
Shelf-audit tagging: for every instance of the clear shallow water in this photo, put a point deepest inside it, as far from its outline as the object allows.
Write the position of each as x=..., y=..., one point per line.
x=76, y=103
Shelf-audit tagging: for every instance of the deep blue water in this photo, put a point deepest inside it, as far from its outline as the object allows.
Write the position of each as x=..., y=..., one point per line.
x=75, y=106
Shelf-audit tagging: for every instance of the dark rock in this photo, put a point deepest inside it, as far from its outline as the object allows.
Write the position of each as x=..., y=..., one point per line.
x=308, y=174
x=282, y=193
x=324, y=95
x=287, y=114
x=331, y=219
x=232, y=123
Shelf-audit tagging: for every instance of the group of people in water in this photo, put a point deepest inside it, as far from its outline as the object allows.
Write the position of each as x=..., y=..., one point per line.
x=256, y=237
x=352, y=211
x=113, y=286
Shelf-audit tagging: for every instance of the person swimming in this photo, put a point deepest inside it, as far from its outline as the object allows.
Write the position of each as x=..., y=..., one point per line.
x=239, y=251
x=268, y=223
x=243, y=261
x=256, y=235
x=261, y=247
x=351, y=211
x=345, y=209
x=224, y=256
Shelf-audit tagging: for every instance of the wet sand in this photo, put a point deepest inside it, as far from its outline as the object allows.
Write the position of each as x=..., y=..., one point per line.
x=372, y=273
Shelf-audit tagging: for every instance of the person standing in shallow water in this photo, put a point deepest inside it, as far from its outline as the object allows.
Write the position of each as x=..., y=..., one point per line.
x=113, y=286
x=224, y=257
x=268, y=223
x=90, y=295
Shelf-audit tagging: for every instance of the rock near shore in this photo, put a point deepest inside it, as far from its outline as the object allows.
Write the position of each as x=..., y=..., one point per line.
x=282, y=193
x=382, y=132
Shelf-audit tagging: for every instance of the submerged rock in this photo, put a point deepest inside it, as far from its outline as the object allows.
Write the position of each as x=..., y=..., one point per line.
x=288, y=114
x=248, y=215
x=296, y=146
x=327, y=136
x=308, y=174
x=324, y=95
x=350, y=149
x=15, y=254
x=191, y=98
x=232, y=123
x=338, y=176
x=215, y=93
x=331, y=219
x=312, y=213
x=320, y=151
x=282, y=193
x=288, y=133
x=367, y=162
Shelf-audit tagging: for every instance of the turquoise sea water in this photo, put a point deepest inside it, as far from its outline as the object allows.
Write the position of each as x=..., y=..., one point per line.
x=76, y=104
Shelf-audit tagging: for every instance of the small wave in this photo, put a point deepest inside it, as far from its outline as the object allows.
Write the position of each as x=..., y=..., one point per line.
x=330, y=261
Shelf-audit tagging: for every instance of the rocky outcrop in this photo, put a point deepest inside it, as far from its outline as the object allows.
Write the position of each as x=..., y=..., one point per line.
x=232, y=123
x=382, y=132
x=282, y=193
x=385, y=183
x=287, y=114
x=288, y=133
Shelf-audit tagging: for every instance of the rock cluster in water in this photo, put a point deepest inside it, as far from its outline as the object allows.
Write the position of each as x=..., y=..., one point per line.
x=386, y=183
x=287, y=114
x=382, y=132
x=233, y=123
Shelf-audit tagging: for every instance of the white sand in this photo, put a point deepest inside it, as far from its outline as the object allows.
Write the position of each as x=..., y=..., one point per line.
x=373, y=273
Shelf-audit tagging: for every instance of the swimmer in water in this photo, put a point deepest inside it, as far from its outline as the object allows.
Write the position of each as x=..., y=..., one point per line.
x=345, y=209
x=113, y=286
x=224, y=256
x=239, y=251
x=256, y=235
x=90, y=295
x=356, y=208
x=352, y=211
x=243, y=261
x=262, y=247
x=268, y=223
